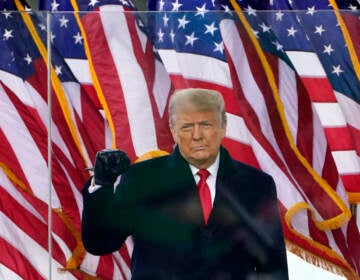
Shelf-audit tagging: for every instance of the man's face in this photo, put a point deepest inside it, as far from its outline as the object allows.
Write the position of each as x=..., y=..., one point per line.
x=198, y=135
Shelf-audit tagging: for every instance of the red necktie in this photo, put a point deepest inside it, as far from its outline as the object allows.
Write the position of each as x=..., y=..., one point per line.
x=204, y=193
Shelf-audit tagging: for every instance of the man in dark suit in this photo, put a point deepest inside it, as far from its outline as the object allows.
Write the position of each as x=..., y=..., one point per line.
x=231, y=230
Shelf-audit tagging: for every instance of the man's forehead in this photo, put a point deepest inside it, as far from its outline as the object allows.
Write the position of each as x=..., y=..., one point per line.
x=196, y=116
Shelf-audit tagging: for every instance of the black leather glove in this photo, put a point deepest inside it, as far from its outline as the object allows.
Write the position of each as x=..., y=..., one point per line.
x=109, y=164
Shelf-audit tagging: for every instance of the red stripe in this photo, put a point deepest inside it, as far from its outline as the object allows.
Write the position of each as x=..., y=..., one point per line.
x=105, y=268
x=241, y=152
x=355, y=136
x=339, y=138
x=305, y=131
x=17, y=262
x=109, y=81
x=319, y=89
x=352, y=182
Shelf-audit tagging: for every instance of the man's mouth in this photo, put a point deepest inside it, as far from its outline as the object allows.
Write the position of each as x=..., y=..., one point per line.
x=198, y=148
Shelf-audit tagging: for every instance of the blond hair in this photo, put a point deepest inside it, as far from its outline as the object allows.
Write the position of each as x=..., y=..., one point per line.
x=198, y=99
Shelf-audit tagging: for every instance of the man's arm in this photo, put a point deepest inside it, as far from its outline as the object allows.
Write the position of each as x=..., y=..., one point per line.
x=102, y=230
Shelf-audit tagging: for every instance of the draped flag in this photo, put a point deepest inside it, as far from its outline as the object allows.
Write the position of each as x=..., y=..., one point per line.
x=329, y=42
x=95, y=74
x=41, y=218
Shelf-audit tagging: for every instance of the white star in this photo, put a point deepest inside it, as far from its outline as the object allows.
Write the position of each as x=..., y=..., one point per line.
x=201, y=10
x=250, y=11
x=319, y=29
x=278, y=46
x=161, y=5
x=8, y=34
x=6, y=14
x=256, y=33
x=328, y=49
x=165, y=19
x=279, y=15
x=176, y=6
x=291, y=31
x=54, y=5
x=160, y=36
x=92, y=3
x=211, y=28
x=28, y=9
x=190, y=39
x=42, y=26
x=78, y=38
x=311, y=10
x=52, y=37
x=226, y=8
x=182, y=22
x=28, y=59
x=352, y=7
x=264, y=27
x=63, y=21
x=219, y=47
x=337, y=70
x=172, y=36
x=58, y=70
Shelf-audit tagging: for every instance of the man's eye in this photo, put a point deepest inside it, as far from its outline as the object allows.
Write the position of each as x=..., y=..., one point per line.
x=186, y=127
x=207, y=125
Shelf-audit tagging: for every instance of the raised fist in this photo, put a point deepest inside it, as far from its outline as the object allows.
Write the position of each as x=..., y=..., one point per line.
x=109, y=164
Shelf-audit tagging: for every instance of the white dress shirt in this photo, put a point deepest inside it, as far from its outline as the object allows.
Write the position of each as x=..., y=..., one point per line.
x=211, y=180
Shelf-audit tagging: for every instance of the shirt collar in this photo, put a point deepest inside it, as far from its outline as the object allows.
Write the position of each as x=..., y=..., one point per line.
x=213, y=169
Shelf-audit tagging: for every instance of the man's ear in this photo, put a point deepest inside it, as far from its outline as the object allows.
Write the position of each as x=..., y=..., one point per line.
x=173, y=133
x=223, y=134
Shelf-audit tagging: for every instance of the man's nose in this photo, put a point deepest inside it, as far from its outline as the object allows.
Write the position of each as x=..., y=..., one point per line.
x=197, y=132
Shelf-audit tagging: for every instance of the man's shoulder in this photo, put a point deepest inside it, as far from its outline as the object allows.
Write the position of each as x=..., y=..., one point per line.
x=152, y=164
x=243, y=168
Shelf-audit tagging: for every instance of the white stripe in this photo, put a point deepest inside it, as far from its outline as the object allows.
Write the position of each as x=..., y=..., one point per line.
x=249, y=86
x=347, y=162
x=16, y=85
x=26, y=151
x=90, y=263
x=162, y=86
x=350, y=108
x=330, y=114
x=41, y=108
x=81, y=70
x=6, y=274
x=133, y=83
x=36, y=255
x=75, y=192
x=320, y=145
x=198, y=67
x=307, y=64
x=289, y=97
x=13, y=191
x=236, y=129
x=125, y=267
x=72, y=94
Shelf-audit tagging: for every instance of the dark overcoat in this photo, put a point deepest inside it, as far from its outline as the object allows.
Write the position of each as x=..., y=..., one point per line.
x=156, y=202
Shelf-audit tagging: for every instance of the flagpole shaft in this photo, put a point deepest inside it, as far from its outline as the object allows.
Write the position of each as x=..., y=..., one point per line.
x=48, y=43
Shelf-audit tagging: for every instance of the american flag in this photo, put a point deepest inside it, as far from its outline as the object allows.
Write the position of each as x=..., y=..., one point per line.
x=310, y=33
x=41, y=218
x=115, y=88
